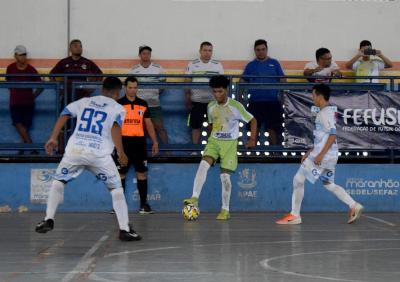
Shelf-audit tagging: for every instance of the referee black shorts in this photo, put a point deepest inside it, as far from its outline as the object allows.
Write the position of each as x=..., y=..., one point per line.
x=136, y=150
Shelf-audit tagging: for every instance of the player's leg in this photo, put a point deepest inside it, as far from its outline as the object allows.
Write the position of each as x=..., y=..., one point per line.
x=68, y=169
x=104, y=168
x=229, y=161
x=197, y=116
x=22, y=120
x=328, y=180
x=158, y=122
x=297, y=197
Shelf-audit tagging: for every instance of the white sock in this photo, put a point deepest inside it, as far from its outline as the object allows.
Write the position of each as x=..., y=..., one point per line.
x=120, y=208
x=55, y=196
x=298, y=193
x=226, y=190
x=200, y=178
x=341, y=194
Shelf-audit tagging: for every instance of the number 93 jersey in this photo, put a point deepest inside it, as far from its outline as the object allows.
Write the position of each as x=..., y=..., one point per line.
x=95, y=117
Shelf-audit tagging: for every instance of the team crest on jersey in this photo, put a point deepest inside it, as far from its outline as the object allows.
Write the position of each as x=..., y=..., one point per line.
x=141, y=112
x=84, y=66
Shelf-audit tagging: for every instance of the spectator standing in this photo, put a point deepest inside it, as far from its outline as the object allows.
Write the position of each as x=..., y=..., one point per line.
x=368, y=62
x=151, y=96
x=198, y=99
x=264, y=104
x=22, y=100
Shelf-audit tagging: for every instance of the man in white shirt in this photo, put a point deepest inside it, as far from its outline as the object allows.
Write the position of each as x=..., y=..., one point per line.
x=97, y=131
x=368, y=62
x=322, y=67
x=198, y=99
x=151, y=96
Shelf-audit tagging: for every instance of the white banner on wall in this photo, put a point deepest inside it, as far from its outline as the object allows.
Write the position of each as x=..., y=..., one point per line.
x=41, y=180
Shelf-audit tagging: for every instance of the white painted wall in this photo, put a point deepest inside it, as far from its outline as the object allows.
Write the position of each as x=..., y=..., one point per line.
x=175, y=28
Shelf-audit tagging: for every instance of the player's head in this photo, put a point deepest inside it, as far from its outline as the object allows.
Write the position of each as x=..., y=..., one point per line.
x=20, y=54
x=111, y=87
x=131, y=86
x=206, y=51
x=260, y=49
x=365, y=44
x=323, y=57
x=145, y=53
x=321, y=94
x=75, y=47
x=219, y=85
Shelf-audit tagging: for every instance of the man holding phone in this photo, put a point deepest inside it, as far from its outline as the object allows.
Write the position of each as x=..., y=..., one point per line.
x=365, y=65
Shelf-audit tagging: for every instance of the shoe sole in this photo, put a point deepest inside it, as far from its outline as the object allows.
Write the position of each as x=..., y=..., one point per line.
x=43, y=230
x=292, y=222
x=356, y=216
x=128, y=239
x=144, y=212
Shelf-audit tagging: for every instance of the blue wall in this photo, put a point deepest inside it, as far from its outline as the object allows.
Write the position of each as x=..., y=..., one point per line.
x=256, y=187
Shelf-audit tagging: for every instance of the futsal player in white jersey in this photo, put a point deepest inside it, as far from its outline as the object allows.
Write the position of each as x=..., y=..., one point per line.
x=320, y=161
x=97, y=131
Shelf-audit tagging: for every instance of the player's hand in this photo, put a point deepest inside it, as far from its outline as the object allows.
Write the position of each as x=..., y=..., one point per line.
x=51, y=146
x=122, y=158
x=318, y=69
x=154, y=149
x=251, y=143
x=318, y=159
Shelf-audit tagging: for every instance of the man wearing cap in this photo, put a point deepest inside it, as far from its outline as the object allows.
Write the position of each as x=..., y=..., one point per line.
x=152, y=96
x=22, y=100
x=76, y=64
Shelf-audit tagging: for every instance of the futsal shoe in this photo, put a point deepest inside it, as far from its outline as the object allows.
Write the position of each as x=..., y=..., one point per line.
x=44, y=226
x=192, y=200
x=289, y=219
x=223, y=215
x=129, y=236
x=146, y=209
x=355, y=213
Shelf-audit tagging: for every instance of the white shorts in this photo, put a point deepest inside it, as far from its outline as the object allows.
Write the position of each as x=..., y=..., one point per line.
x=312, y=172
x=71, y=166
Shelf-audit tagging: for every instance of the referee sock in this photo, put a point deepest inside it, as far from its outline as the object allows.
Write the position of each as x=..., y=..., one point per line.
x=55, y=196
x=200, y=178
x=142, y=188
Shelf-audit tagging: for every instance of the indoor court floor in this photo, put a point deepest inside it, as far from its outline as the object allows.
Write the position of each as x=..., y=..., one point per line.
x=249, y=247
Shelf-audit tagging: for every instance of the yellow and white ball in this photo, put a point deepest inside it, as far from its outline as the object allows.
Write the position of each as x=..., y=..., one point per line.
x=190, y=212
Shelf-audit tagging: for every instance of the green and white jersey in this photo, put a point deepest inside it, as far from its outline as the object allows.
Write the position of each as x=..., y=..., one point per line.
x=198, y=67
x=225, y=119
x=151, y=96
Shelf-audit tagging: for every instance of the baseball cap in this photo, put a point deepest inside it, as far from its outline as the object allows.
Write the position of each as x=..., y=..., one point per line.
x=19, y=50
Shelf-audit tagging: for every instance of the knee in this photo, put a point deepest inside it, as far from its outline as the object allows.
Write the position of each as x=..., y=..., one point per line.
x=298, y=180
x=117, y=193
x=226, y=180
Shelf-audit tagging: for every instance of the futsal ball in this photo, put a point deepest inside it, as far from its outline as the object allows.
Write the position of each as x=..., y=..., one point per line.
x=190, y=212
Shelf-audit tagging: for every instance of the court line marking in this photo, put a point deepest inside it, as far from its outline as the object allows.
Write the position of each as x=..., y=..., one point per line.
x=141, y=251
x=85, y=262
x=380, y=220
x=266, y=263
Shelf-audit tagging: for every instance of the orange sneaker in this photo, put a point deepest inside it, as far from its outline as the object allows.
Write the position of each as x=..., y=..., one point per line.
x=289, y=219
x=355, y=213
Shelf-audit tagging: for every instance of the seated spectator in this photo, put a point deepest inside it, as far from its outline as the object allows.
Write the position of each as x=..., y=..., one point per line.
x=322, y=67
x=198, y=99
x=22, y=100
x=264, y=104
x=76, y=64
x=368, y=62
x=151, y=96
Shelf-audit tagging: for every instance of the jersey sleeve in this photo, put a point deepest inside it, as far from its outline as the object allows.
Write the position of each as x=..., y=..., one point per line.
x=189, y=69
x=209, y=117
x=72, y=109
x=279, y=69
x=58, y=68
x=328, y=122
x=243, y=113
x=355, y=65
x=220, y=68
x=119, y=115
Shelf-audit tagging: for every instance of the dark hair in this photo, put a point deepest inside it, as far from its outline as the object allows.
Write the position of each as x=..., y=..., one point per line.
x=322, y=89
x=130, y=79
x=75, y=41
x=219, y=81
x=144, y=47
x=205, y=43
x=365, y=43
x=112, y=83
x=320, y=52
x=260, y=42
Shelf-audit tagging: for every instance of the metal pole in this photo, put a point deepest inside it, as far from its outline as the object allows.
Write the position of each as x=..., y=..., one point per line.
x=68, y=25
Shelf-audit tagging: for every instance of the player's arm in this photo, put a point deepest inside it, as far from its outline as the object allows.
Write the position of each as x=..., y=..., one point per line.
x=52, y=143
x=152, y=133
x=306, y=154
x=253, y=132
x=328, y=144
x=117, y=139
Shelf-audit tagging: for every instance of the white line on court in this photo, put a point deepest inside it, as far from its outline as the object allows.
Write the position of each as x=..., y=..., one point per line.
x=266, y=263
x=141, y=251
x=379, y=220
x=86, y=260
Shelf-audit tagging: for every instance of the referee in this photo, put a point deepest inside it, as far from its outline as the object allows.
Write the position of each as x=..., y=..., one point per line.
x=137, y=119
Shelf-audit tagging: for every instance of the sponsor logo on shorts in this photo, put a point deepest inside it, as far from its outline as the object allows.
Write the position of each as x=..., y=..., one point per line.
x=102, y=177
x=64, y=170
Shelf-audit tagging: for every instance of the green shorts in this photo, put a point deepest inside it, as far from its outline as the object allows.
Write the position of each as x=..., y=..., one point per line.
x=225, y=150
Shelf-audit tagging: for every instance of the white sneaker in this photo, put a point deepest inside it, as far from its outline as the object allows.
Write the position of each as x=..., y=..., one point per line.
x=355, y=213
